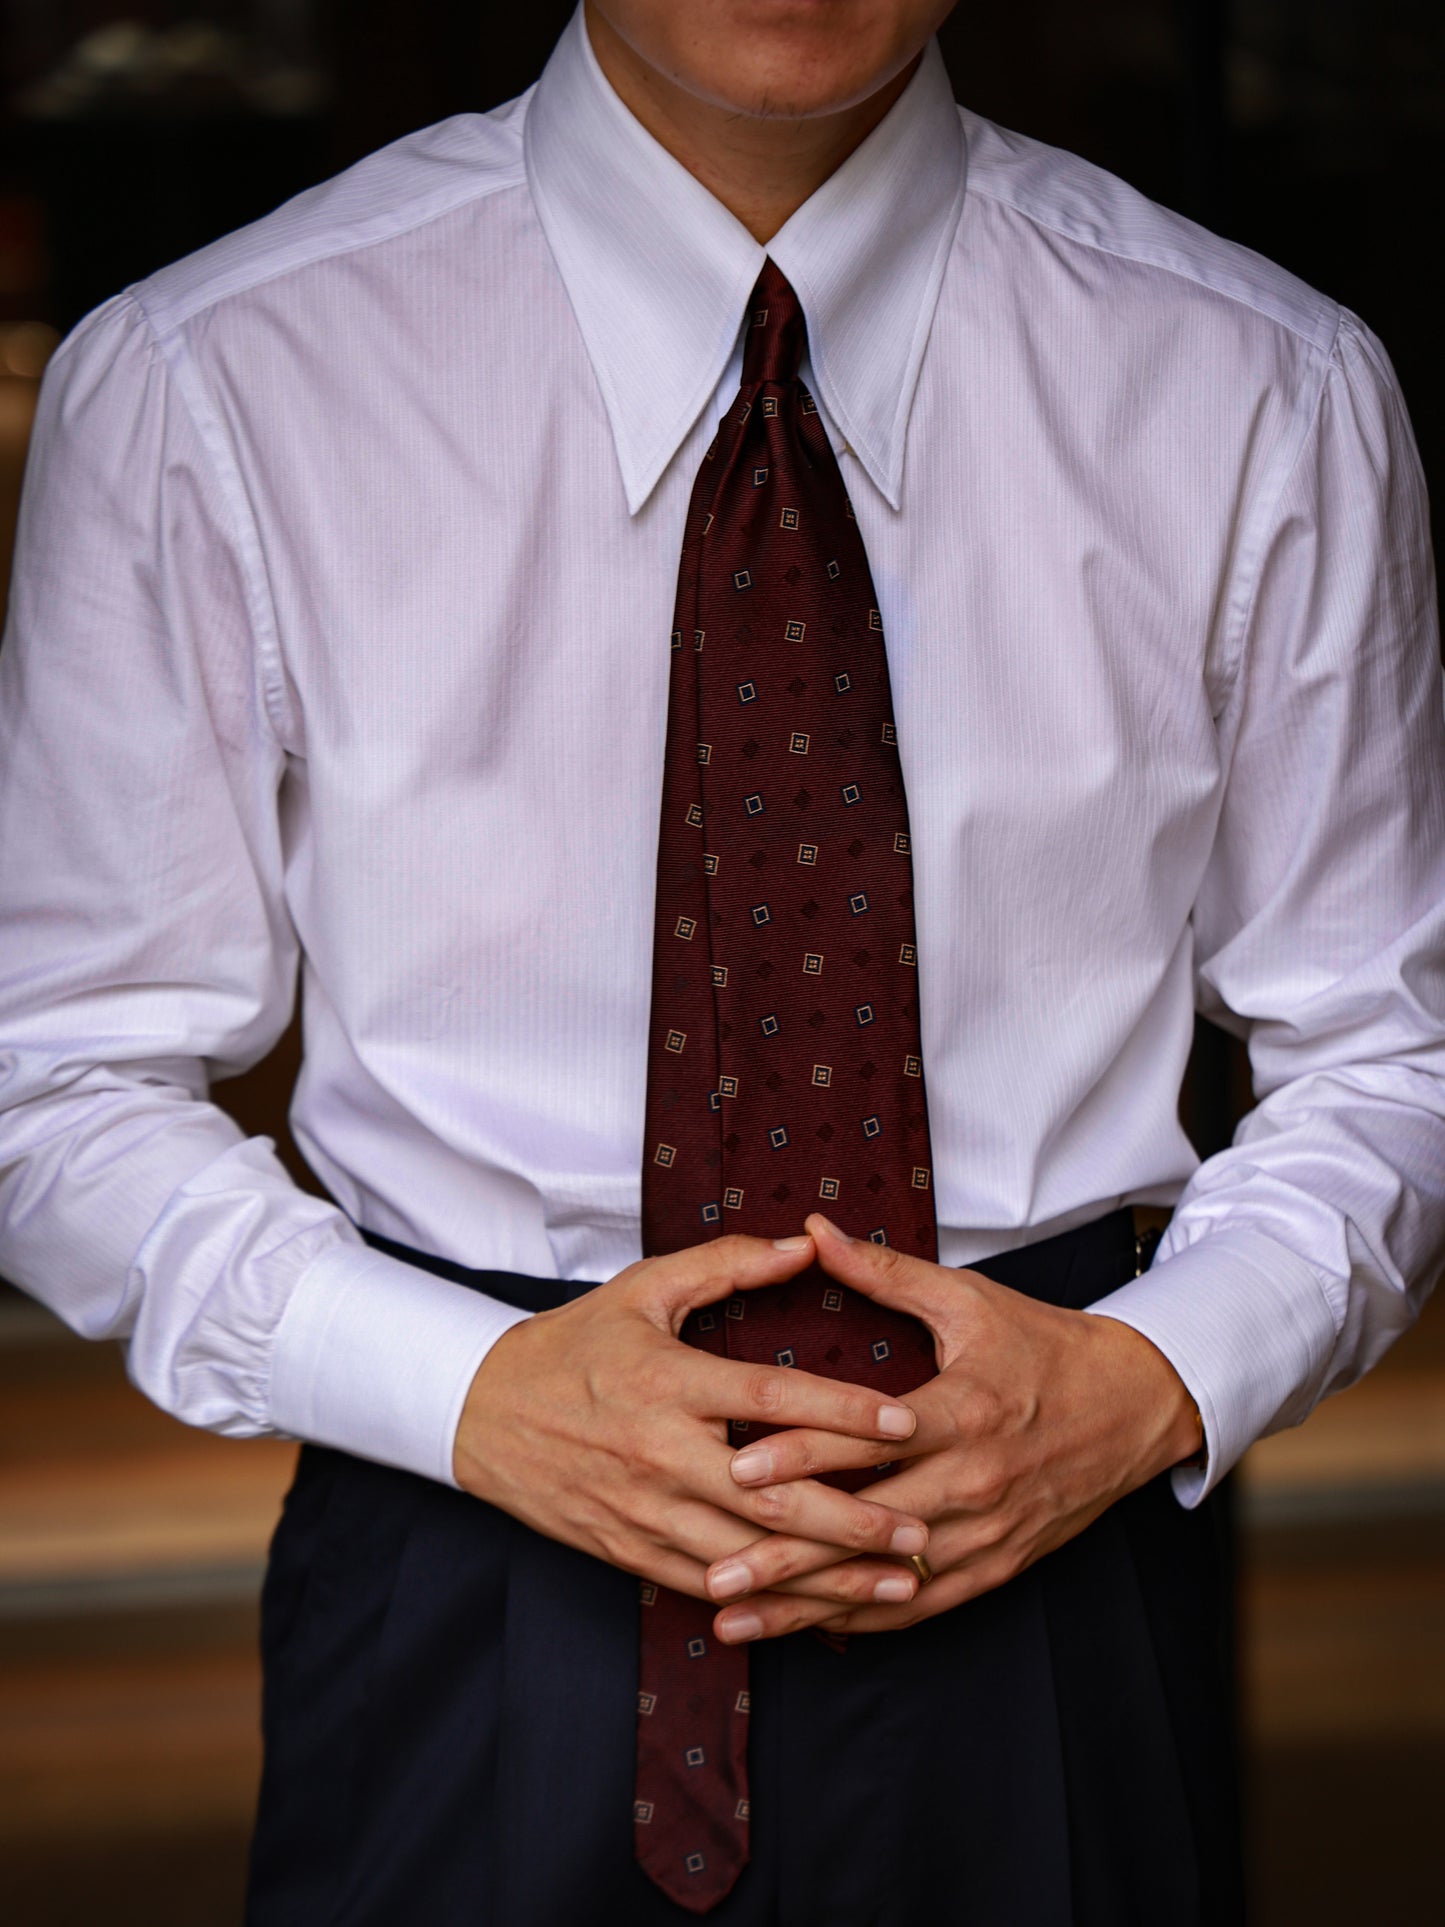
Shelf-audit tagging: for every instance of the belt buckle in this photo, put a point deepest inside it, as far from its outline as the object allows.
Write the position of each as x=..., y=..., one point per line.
x=1150, y=1223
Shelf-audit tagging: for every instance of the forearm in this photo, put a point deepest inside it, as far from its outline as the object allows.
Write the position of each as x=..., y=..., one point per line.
x=1297, y=1256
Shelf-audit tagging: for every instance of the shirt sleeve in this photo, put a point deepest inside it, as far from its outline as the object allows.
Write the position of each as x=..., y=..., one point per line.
x=1299, y=1254
x=145, y=946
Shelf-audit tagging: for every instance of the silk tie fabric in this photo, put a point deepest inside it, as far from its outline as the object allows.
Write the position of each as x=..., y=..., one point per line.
x=785, y=1069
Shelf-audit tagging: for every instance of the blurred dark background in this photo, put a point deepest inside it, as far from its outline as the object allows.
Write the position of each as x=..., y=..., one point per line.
x=130, y=1548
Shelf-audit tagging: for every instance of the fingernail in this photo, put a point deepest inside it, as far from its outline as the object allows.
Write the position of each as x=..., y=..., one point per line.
x=790, y=1244
x=834, y=1232
x=896, y=1421
x=737, y=1626
x=893, y=1592
x=732, y=1579
x=907, y=1540
x=752, y=1464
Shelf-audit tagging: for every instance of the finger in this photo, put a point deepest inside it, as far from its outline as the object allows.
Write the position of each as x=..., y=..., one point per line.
x=773, y=1614
x=684, y=1280
x=941, y=1594
x=891, y=1277
x=807, y=1510
x=808, y=1454
x=770, y=1615
x=777, y=1395
x=780, y=1562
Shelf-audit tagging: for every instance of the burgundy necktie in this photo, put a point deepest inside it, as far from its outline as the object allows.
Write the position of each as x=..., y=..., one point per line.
x=785, y=1071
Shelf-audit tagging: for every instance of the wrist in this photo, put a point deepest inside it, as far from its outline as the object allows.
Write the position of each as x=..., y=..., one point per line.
x=1172, y=1422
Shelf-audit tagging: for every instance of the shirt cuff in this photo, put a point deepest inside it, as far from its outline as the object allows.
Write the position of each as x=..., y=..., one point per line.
x=1246, y=1324
x=376, y=1357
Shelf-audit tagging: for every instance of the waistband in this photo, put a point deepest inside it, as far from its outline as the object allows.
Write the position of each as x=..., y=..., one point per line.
x=1071, y=1269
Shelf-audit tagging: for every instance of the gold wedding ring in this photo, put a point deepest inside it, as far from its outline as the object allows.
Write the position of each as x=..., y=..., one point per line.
x=921, y=1566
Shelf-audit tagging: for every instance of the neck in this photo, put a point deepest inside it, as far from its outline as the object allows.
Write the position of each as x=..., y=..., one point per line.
x=762, y=168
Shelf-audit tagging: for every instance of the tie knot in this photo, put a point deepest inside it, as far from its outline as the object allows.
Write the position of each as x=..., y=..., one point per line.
x=776, y=333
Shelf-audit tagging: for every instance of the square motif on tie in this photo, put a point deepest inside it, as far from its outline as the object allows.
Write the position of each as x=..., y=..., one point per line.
x=733, y=1198
x=664, y=1155
x=875, y=621
x=798, y=743
x=720, y=977
x=880, y=1350
x=785, y=1356
x=742, y=579
x=788, y=519
x=709, y=866
x=871, y=1127
x=742, y=1810
x=736, y=1308
x=677, y=638
x=822, y=1074
x=851, y=794
x=753, y=804
x=711, y=1213
x=707, y=521
x=878, y=1237
x=920, y=1177
x=770, y=405
x=768, y=1025
x=647, y=1593
x=890, y=732
x=833, y=571
x=843, y=683
x=832, y=1299
x=901, y=843
x=675, y=1041
x=807, y=404
x=642, y=1812
x=858, y=902
x=761, y=914
x=704, y=756
x=706, y=1322
x=778, y=1136
x=694, y=1756
x=686, y=928
x=908, y=955
x=747, y=692
x=696, y=1647
x=694, y=815
x=699, y=637
x=760, y=475
x=812, y=963
x=694, y=1863
x=828, y=1188
x=646, y=1703
x=795, y=631
x=912, y=1066
x=743, y=1704
x=714, y=1101
x=864, y=1013
x=728, y=1086
x=807, y=853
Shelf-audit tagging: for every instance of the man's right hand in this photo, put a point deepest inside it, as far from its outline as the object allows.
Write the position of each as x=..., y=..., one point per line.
x=596, y=1425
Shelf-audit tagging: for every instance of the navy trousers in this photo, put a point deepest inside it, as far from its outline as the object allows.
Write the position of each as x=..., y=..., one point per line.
x=449, y=1710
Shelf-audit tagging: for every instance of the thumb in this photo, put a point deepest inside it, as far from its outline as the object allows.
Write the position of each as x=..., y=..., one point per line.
x=889, y=1277
x=685, y=1280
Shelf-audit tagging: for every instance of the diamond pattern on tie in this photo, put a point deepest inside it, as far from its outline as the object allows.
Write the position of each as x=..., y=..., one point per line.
x=784, y=1058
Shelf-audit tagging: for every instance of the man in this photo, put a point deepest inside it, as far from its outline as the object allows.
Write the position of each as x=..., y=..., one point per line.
x=381, y=568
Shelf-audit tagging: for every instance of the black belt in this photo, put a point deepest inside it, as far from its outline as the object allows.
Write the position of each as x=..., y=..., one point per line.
x=1070, y=1268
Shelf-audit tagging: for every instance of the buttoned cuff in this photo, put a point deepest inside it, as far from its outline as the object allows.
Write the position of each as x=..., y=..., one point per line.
x=1246, y=1324
x=376, y=1357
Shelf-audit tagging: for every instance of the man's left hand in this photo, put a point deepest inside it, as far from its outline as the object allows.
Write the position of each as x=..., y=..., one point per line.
x=1038, y=1420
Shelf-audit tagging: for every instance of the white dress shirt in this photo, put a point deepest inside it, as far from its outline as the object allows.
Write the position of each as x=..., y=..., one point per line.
x=339, y=640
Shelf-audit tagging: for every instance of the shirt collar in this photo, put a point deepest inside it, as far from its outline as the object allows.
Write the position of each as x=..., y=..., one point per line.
x=658, y=272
